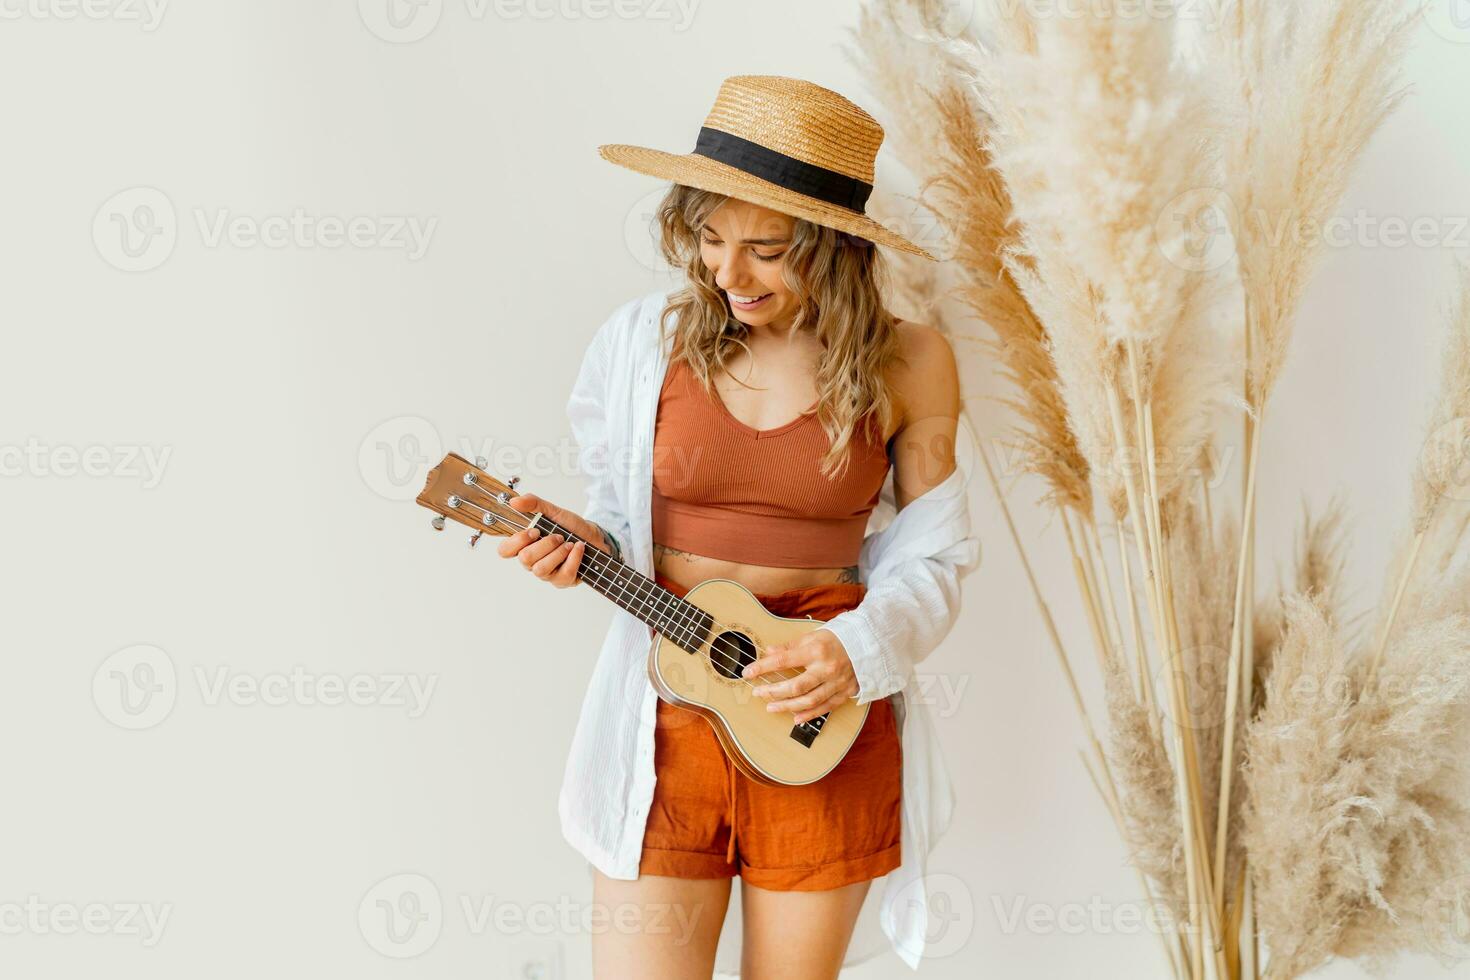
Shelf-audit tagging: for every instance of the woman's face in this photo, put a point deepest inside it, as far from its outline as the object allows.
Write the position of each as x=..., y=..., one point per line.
x=745, y=246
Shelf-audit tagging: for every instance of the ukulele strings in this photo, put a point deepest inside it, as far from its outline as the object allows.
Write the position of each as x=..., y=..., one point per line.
x=717, y=644
x=603, y=578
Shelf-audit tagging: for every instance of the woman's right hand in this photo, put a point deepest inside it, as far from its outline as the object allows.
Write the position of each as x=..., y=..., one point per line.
x=551, y=559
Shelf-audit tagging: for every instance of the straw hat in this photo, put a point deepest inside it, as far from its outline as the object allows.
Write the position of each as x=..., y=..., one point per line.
x=785, y=144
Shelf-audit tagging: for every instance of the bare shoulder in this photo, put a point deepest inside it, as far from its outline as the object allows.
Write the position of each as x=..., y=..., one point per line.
x=927, y=387
x=927, y=381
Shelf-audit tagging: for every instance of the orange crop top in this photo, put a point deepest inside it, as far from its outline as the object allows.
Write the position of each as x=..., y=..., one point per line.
x=757, y=496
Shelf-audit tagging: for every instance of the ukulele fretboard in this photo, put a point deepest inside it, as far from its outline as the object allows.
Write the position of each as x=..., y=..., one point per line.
x=677, y=620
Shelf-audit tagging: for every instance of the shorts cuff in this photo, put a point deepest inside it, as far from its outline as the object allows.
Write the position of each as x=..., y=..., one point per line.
x=825, y=876
x=684, y=864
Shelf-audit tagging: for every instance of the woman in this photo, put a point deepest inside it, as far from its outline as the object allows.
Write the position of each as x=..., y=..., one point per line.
x=784, y=394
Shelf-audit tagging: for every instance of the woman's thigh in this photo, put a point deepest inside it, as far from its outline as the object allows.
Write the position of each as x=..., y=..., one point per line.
x=797, y=934
x=657, y=927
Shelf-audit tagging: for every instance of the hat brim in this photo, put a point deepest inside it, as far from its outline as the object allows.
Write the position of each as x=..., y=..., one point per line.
x=700, y=171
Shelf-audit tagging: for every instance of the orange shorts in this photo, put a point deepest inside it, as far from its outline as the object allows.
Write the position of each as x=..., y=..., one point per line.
x=709, y=820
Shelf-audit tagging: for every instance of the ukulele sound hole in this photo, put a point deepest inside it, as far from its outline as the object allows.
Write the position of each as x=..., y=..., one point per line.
x=730, y=652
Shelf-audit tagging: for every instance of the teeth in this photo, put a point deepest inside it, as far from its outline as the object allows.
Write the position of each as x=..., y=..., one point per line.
x=745, y=299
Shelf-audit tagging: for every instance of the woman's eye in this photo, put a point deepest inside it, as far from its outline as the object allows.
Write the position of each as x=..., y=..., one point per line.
x=764, y=258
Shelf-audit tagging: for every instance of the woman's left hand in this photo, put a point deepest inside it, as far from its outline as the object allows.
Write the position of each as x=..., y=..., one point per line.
x=826, y=681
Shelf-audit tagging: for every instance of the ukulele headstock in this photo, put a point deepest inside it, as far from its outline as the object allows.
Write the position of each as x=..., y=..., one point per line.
x=460, y=491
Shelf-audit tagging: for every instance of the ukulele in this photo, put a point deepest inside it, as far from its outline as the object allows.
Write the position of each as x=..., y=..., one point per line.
x=701, y=641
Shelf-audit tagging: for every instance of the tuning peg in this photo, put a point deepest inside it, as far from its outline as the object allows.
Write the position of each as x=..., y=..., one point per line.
x=481, y=462
x=475, y=538
x=438, y=522
x=512, y=482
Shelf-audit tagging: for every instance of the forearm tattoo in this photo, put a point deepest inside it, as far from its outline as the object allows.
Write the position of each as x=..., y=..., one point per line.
x=613, y=547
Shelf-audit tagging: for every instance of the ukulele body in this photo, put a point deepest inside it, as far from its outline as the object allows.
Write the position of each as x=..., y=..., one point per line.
x=765, y=745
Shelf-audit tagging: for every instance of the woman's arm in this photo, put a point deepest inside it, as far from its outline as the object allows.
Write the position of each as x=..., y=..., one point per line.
x=913, y=567
x=929, y=391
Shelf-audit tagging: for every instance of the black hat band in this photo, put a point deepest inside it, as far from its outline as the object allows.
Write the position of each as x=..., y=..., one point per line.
x=782, y=170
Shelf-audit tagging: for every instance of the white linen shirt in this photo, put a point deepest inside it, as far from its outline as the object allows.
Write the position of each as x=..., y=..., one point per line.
x=912, y=570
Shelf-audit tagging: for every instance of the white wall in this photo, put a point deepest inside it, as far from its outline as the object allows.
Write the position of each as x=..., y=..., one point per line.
x=272, y=535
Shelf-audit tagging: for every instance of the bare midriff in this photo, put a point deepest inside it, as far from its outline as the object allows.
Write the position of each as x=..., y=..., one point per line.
x=689, y=569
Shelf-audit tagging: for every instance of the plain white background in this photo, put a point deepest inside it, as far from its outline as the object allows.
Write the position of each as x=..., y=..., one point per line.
x=216, y=409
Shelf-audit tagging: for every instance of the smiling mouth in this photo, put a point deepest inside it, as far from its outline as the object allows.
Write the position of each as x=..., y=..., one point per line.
x=746, y=300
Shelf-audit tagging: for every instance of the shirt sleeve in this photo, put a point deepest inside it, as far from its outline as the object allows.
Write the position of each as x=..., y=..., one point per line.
x=587, y=413
x=912, y=569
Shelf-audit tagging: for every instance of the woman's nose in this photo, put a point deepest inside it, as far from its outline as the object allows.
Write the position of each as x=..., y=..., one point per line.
x=731, y=274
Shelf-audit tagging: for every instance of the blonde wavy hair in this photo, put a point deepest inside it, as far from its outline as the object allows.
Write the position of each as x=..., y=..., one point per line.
x=839, y=282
